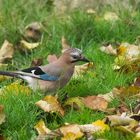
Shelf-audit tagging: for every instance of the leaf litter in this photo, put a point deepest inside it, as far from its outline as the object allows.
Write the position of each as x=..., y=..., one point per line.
x=123, y=118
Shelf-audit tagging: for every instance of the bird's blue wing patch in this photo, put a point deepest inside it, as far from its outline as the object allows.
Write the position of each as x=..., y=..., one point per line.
x=47, y=77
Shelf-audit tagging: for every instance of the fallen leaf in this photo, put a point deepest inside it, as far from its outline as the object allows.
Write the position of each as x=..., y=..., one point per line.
x=123, y=120
x=80, y=69
x=121, y=50
x=6, y=51
x=108, y=50
x=26, y=46
x=108, y=96
x=121, y=109
x=45, y=133
x=75, y=102
x=90, y=11
x=33, y=32
x=2, y=115
x=51, y=58
x=41, y=128
x=95, y=102
x=131, y=51
x=137, y=82
x=37, y=62
x=129, y=91
x=97, y=126
x=101, y=124
x=110, y=16
x=50, y=104
x=16, y=88
x=72, y=132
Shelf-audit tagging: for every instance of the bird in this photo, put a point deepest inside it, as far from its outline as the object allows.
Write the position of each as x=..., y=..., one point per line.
x=52, y=76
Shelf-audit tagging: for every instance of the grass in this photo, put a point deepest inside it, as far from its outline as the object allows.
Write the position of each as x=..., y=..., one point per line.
x=87, y=32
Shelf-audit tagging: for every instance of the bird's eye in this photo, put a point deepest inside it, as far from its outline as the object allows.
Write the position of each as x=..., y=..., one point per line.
x=75, y=56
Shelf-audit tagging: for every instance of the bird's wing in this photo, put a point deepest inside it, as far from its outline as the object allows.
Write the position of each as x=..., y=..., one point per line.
x=37, y=72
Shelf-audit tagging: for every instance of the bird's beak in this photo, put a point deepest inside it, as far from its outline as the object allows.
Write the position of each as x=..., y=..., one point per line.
x=84, y=59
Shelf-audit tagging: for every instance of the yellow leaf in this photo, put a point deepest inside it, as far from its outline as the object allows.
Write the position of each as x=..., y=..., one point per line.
x=101, y=124
x=50, y=104
x=26, y=46
x=71, y=131
x=121, y=50
x=16, y=88
x=2, y=78
x=41, y=128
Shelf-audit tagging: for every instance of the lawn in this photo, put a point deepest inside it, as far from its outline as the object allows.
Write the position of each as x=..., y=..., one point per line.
x=85, y=31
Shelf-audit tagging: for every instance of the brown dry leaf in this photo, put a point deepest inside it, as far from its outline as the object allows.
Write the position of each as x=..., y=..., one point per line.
x=16, y=88
x=95, y=102
x=33, y=31
x=80, y=69
x=115, y=120
x=71, y=131
x=37, y=62
x=130, y=91
x=26, y=46
x=121, y=109
x=41, y=128
x=137, y=82
x=75, y=102
x=6, y=51
x=50, y=104
x=124, y=92
x=52, y=58
x=108, y=50
x=2, y=115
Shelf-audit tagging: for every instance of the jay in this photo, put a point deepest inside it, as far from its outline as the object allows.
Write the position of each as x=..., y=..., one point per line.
x=52, y=76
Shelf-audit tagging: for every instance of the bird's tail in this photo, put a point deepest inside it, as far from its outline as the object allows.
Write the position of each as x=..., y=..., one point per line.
x=11, y=74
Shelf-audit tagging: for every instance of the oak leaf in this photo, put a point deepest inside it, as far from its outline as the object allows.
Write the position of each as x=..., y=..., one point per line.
x=50, y=104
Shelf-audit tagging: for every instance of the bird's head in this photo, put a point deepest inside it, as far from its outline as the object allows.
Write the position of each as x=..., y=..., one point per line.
x=72, y=55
